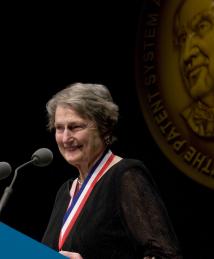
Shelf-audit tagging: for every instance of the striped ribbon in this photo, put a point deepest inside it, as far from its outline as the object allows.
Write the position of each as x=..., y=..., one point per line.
x=78, y=201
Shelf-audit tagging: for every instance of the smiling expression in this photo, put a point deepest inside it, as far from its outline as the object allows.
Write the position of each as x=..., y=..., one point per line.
x=77, y=138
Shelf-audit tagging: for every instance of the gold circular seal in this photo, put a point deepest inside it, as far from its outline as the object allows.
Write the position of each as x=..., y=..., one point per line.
x=175, y=82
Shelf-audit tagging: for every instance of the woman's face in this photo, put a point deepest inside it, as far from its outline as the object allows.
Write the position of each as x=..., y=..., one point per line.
x=77, y=138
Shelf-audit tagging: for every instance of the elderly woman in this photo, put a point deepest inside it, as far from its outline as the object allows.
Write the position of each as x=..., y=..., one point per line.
x=112, y=210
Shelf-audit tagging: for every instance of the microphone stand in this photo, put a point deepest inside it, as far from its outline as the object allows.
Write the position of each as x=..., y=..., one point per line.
x=9, y=189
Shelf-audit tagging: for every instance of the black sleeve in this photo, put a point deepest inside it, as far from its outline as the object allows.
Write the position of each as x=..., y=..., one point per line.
x=145, y=216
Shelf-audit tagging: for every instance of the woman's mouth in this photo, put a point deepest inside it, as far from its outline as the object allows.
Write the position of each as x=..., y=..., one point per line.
x=72, y=148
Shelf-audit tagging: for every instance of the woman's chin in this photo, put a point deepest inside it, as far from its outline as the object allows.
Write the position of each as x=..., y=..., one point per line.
x=72, y=157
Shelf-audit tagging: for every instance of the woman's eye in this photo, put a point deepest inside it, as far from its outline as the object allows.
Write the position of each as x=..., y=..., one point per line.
x=59, y=128
x=76, y=127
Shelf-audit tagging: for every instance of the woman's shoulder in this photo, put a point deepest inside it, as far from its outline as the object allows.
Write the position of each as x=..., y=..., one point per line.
x=130, y=163
x=128, y=168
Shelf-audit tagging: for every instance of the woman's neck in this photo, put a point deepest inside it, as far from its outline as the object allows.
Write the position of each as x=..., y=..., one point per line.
x=85, y=168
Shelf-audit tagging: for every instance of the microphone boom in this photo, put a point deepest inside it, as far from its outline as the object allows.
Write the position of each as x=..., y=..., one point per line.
x=42, y=157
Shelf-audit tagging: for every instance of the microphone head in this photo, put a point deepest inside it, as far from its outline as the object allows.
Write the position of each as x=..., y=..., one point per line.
x=5, y=170
x=42, y=157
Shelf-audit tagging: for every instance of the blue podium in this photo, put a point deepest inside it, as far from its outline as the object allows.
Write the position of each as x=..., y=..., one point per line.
x=15, y=245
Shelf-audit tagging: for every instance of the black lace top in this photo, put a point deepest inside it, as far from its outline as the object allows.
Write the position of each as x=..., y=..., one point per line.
x=124, y=218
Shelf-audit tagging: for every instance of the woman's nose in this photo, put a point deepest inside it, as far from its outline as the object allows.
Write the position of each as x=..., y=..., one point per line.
x=67, y=135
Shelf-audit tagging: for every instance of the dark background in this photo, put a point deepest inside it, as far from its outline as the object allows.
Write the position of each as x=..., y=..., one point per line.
x=44, y=48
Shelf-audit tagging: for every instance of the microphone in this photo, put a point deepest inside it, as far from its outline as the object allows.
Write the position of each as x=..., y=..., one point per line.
x=5, y=170
x=42, y=157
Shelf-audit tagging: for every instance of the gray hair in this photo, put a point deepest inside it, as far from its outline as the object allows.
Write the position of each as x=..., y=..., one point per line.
x=92, y=101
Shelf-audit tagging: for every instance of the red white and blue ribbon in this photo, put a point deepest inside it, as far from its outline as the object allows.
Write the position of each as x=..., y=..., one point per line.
x=78, y=201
